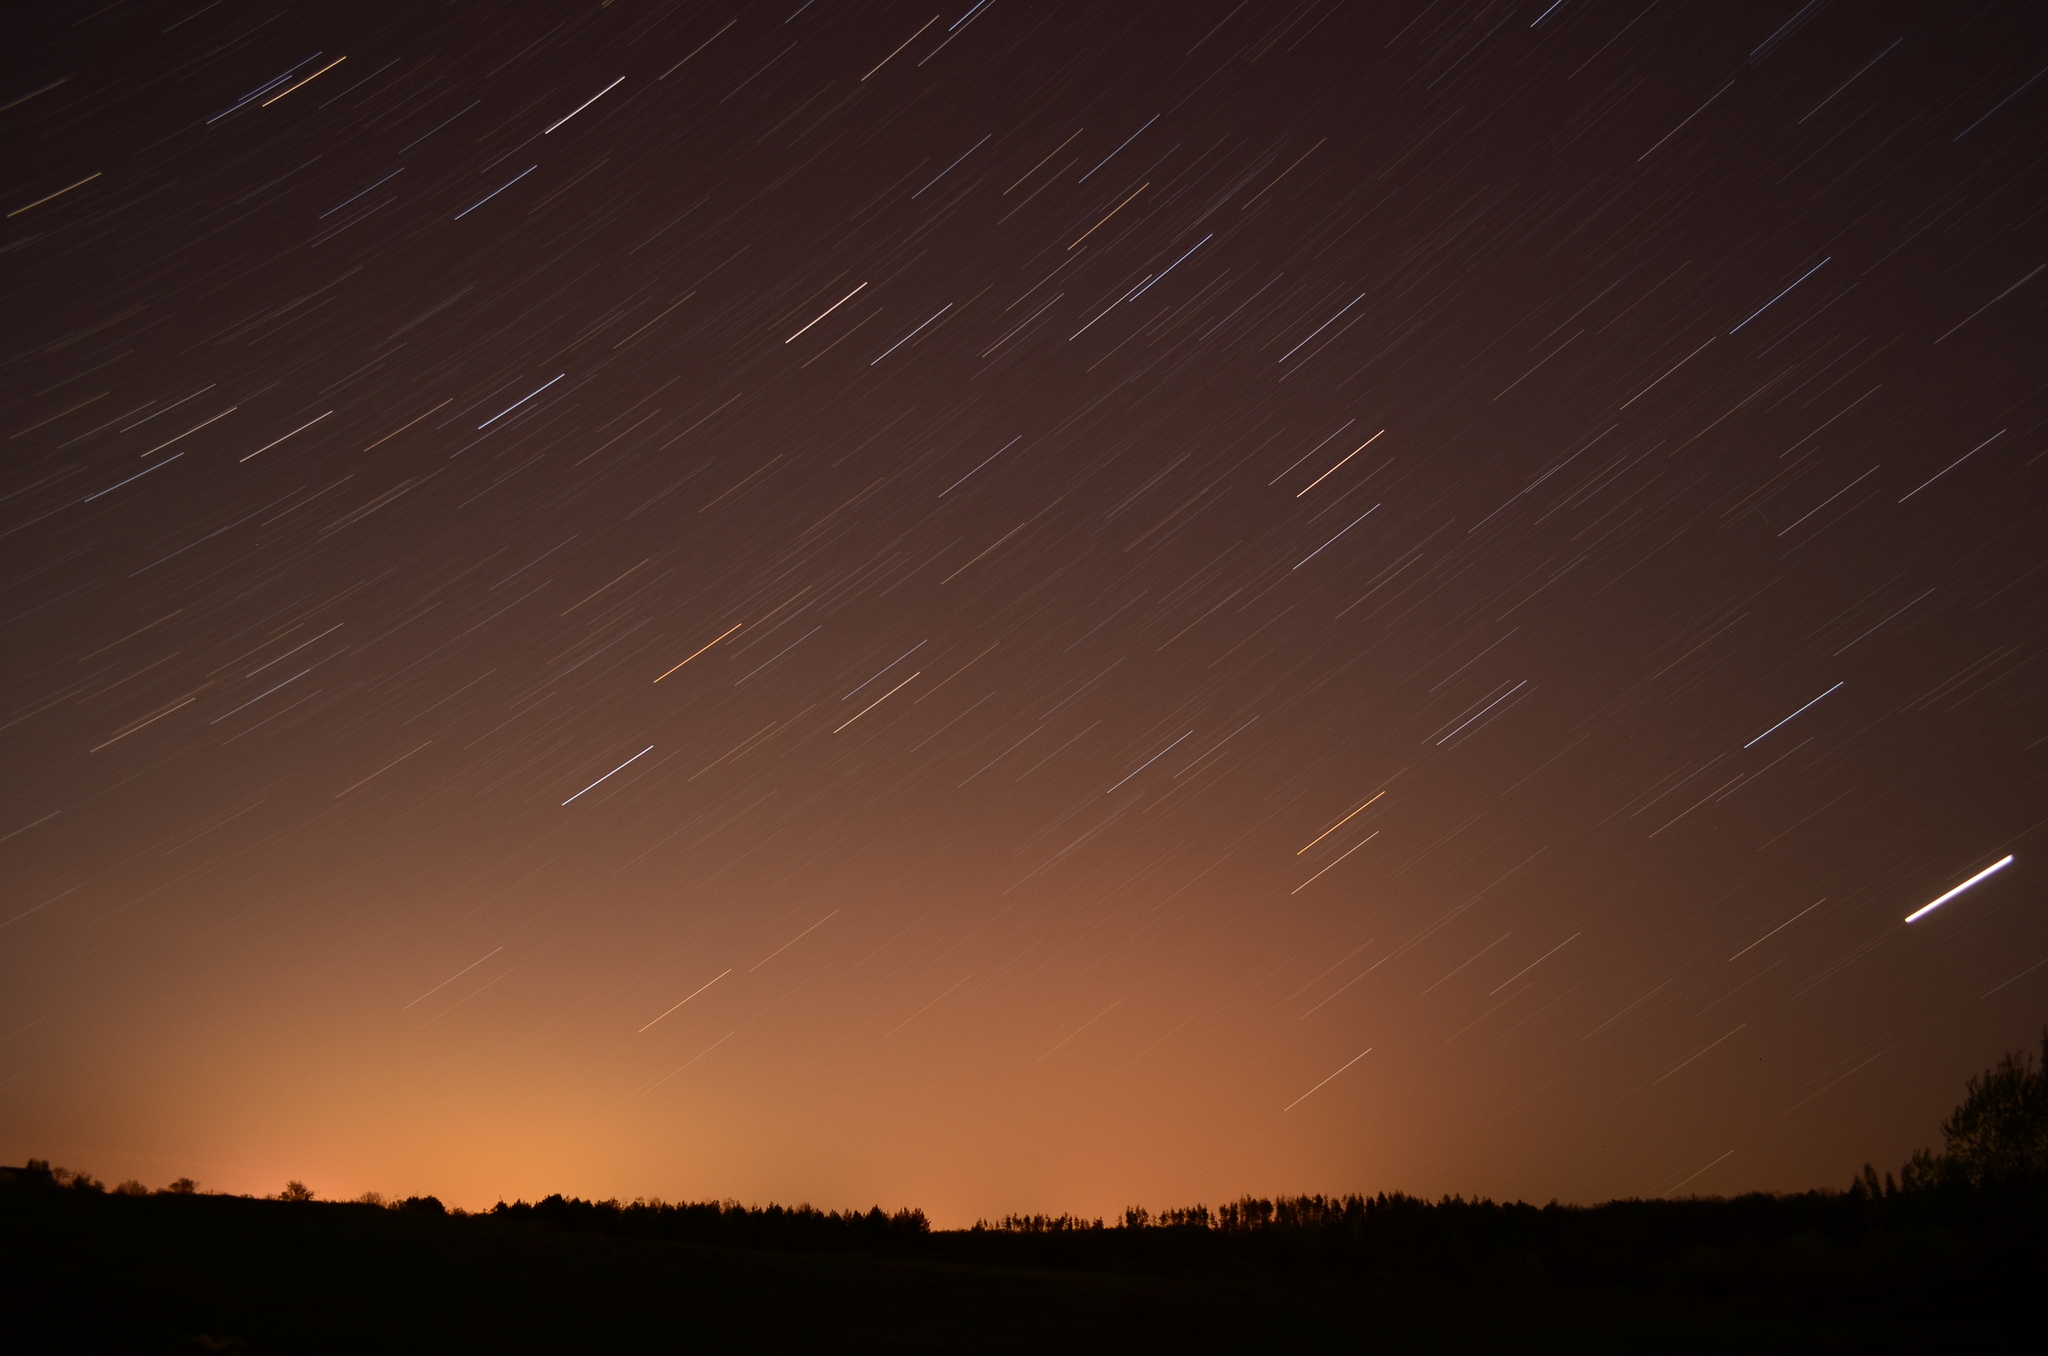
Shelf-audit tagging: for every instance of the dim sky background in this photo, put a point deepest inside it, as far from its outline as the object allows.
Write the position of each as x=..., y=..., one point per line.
x=852, y=602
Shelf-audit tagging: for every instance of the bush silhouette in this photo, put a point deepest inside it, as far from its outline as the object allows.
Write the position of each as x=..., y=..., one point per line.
x=295, y=1190
x=184, y=1186
x=1998, y=1137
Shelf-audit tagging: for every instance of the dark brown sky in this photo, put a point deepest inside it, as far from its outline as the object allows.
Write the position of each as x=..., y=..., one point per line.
x=706, y=601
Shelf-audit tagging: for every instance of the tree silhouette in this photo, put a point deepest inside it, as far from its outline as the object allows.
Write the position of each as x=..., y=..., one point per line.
x=1998, y=1137
x=77, y=1181
x=295, y=1190
x=184, y=1186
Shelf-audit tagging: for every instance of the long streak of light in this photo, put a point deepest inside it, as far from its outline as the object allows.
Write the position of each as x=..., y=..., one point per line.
x=1326, y=545
x=307, y=81
x=1333, y=470
x=1319, y=1087
x=1112, y=212
x=912, y=335
x=522, y=400
x=1150, y=761
x=827, y=311
x=1789, y=719
x=300, y=429
x=1778, y=929
x=879, y=700
x=615, y=771
x=1781, y=296
x=1326, y=870
x=892, y=56
x=495, y=192
x=1702, y=1172
x=1534, y=963
x=794, y=940
x=1690, y=1058
x=588, y=102
x=1990, y=870
x=452, y=978
x=58, y=194
x=700, y=989
x=1952, y=465
x=735, y=626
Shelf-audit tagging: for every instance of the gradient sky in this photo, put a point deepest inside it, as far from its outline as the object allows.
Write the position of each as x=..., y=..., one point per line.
x=1037, y=608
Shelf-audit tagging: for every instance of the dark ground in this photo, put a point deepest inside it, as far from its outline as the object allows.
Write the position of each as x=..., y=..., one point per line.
x=92, y=1272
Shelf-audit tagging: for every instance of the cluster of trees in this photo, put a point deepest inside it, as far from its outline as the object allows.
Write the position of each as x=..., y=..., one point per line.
x=1989, y=1183
x=1246, y=1215
x=1997, y=1139
x=799, y=1228
x=1995, y=1142
x=1984, y=1195
x=1044, y=1224
x=40, y=1173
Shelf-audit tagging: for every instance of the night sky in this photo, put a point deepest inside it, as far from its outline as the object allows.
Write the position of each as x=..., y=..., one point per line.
x=1041, y=607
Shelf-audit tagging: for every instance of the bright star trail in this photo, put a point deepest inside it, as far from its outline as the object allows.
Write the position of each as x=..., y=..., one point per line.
x=1991, y=870
x=1017, y=475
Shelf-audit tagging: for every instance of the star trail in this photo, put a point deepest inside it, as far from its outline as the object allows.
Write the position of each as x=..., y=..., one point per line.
x=960, y=606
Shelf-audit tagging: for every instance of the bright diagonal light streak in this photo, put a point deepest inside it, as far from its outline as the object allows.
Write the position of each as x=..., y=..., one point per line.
x=137, y=476
x=1788, y=720
x=1781, y=296
x=1333, y=470
x=722, y=635
x=1318, y=1087
x=892, y=56
x=912, y=335
x=300, y=429
x=451, y=979
x=1338, y=825
x=1952, y=465
x=1992, y=869
x=827, y=311
x=1534, y=963
x=1488, y=707
x=1326, y=545
x=707, y=984
x=495, y=192
x=1326, y=870
x=588, y=102
x=522, y=400
x=955, y=165
x=615, y=771
x=985, y=461
x=879, y=700
x=1778, y=929
x=1174, y=265
x=1829, y=500
x=1149, y=761
x=1320, y=328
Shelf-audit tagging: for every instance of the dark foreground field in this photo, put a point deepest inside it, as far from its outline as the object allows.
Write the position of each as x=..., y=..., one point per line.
x=87, y=1271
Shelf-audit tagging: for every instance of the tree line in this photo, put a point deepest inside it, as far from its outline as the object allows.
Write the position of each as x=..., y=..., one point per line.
x=1978, y=1203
